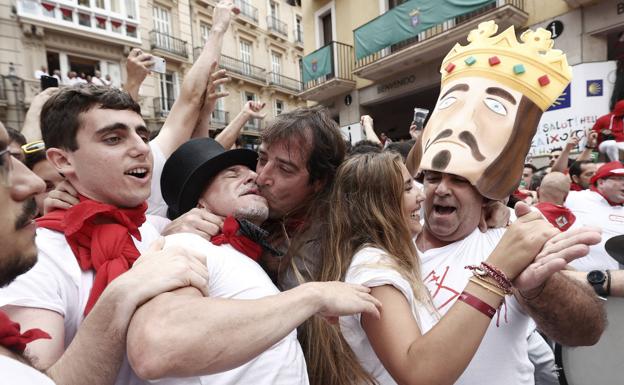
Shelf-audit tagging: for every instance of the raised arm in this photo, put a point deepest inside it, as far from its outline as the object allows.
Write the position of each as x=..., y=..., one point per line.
x=184, y=114
x=251, y=110
x=32, y=123
x=413, y=358
x=183, y=334
x=367, y=124
x=213, y=93
x=562, y=162
x=137, y=68
x=590, y=146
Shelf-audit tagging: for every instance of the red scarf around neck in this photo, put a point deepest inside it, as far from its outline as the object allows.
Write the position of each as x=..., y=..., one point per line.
x=238, y=241
x=595, y=189
x=11, y=337
x=100, y=235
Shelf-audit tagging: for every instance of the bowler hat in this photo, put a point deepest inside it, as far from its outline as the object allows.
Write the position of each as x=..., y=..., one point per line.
x=189, y=169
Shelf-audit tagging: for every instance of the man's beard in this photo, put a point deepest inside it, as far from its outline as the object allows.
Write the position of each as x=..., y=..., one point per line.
x=255, y=214
x=15, y=265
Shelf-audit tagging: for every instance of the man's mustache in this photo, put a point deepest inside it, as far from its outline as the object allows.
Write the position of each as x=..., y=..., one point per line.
x=29, y=212
x=464, y=136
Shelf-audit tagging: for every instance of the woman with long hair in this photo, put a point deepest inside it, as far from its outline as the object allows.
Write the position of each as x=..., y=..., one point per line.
x=368, y=239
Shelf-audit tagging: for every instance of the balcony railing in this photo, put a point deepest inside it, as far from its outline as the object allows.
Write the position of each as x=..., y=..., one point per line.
x=247, y=10
x=341, y=65
x=162, y=106
x=284, y=81
x=168, y=43
x=298, y=34
x=242, y=68
x=220, y=117
x=276, y=25
x=437, y=30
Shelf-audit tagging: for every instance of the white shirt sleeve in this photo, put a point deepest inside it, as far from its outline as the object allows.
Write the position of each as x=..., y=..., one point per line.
x=156, y=204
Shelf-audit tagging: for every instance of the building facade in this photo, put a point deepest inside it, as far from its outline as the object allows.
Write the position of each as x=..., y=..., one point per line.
x=261, y=51
x=390, y=83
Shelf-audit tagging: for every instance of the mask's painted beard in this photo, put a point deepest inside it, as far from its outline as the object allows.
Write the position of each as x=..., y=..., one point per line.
x=441, y=160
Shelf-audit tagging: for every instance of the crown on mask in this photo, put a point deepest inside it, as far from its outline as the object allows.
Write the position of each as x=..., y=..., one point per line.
x=531, y=67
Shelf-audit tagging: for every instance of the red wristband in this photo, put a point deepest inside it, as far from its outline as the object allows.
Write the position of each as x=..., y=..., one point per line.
x=477, y=304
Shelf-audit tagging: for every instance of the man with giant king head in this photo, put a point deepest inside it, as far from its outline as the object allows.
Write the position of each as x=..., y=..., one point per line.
x=494, y=91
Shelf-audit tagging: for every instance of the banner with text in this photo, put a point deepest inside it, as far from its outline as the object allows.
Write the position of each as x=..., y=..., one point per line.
x=576, y=110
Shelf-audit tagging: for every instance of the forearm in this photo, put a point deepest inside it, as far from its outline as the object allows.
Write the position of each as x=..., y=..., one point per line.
x=228, y=136
x=202, y=129
x=97, y=351
x=567, y=311
x=132, y=88
x=32, y=129
x=370, y=133
x=562, y=162
x=615, y=287
x=185, y=112
x=181, y=335
x=585, y=155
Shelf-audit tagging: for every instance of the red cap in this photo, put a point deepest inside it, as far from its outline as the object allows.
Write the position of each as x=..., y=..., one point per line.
x=608, y=169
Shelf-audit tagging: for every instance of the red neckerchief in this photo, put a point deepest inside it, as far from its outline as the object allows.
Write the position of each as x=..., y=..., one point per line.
x=576, y=187
x=100, y=235
x=12, y=339
x=595, y=189
x=239, y=242
x=559, y=216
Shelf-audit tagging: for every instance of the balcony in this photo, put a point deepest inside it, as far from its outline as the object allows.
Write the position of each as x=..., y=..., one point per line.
x=277, y=27
x=79, y=18
x=243, y=70
x=432, y=44
x=337, y=80
x=284, y=82
x=580, y=3
x=247, y=11
x=162, y=106
x=168, y=44
x=220, y=118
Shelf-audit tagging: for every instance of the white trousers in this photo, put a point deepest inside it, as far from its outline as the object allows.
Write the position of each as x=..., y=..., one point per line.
x=610, y=148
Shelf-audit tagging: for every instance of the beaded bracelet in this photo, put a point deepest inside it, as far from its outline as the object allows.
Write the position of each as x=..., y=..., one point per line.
x=477, y=303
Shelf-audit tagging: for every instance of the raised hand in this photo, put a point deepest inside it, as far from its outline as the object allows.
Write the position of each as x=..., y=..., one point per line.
x=222, y=15
x=253, y=108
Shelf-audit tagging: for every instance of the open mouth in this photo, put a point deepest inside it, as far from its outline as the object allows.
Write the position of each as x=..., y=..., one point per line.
x=444, y=210
x=139, y=172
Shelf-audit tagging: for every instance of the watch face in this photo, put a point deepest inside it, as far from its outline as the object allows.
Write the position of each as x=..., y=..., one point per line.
x=596, y=276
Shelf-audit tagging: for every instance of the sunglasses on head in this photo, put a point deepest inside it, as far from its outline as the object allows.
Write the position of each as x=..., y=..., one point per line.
x=33, y=147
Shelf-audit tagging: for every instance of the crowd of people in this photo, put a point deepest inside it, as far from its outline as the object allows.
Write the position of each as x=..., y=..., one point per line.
x=73, y=78
x=182, y=259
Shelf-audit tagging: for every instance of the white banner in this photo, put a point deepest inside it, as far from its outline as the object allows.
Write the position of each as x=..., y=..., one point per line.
x=576, y=110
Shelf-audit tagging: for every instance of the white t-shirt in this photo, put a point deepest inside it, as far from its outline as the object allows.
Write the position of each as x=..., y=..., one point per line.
x=156, y=204
x=591, y=209
x=234, y=275
x=502, y=357
x=57, y=283
x=15, y=372
x=371, y=267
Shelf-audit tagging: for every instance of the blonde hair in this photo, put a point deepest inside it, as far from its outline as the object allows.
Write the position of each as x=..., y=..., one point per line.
x=366, y=209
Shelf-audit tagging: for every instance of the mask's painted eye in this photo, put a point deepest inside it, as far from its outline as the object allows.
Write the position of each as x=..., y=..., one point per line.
x=495, y=106
x=447, y=102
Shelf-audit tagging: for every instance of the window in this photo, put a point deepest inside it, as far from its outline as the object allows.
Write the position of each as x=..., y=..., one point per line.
x=131, y=11
x=245, y=56
x=167, y=91
x=99, y=4
x=276, y=67
x=115, y=6
x=298, y=29
x=279, y=106
x=204, y=31
x=162, y=26
x=84, y=3
x=274, y=10
x=326, y=22
x=84, y=19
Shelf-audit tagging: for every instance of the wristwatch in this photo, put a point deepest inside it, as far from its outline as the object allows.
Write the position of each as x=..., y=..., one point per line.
x=597, y=278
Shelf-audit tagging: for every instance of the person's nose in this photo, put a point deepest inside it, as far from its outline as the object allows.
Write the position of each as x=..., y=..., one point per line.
x=24, y=183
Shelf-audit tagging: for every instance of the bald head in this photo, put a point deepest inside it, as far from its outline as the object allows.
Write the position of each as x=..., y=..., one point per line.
x=554, y=188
